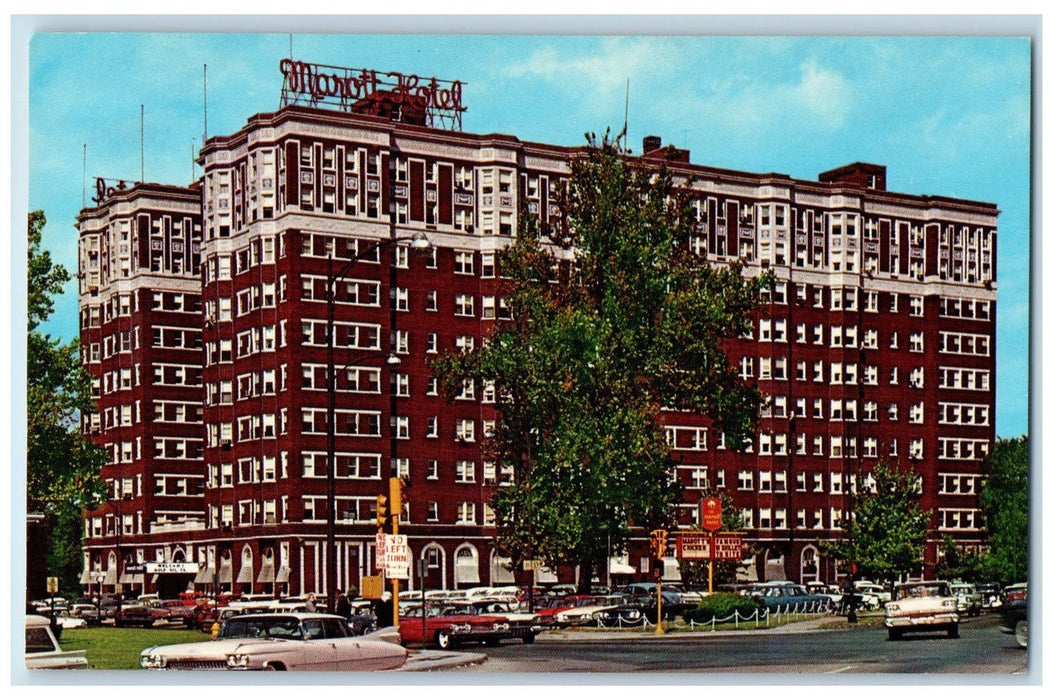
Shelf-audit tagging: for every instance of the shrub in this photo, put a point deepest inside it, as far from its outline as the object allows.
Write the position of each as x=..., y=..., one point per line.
x=721, y=606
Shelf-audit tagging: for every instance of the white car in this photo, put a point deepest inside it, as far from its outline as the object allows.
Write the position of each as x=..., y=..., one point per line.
x=922, y=606
x=280, y=642
x=43, y=650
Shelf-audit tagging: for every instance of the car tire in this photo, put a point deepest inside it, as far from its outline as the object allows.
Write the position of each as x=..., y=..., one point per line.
x=1020, y=632
x=894, y=634
x=952, y=632
x=444, y=640
x=528, y=639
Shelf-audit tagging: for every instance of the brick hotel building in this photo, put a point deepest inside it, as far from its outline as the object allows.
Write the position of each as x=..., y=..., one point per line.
x=204, y=319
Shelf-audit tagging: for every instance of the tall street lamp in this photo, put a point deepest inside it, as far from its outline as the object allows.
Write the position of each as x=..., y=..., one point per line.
x=418, y=241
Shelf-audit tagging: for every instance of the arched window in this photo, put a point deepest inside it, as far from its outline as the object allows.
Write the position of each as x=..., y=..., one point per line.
x=466, y=566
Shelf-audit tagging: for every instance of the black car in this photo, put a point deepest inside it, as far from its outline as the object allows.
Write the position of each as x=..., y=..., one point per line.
x=1014, y=612
x=363, y=618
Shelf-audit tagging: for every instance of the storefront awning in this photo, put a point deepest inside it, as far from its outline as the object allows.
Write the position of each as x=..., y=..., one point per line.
x=245, y=575
x=620, y=569
x=266, y=572
x=205, y=575
x=226, y=572
x=283, y=575
x=127, y=578
x=111, y=577
x=467, y=573
x=84, y=577
x=500, y=572
x=546, y=576
x=670, y=569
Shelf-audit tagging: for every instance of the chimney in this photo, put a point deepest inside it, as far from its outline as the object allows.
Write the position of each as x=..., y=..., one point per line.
x=651, y=143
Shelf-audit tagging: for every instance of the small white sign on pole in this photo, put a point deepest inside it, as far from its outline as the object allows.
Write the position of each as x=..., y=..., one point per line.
x=380, y=547
x=396, y=557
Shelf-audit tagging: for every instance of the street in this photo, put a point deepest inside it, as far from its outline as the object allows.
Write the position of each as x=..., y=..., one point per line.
x=981, y=649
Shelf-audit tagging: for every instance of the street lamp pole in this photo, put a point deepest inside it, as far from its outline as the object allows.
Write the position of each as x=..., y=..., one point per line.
x=418, y=241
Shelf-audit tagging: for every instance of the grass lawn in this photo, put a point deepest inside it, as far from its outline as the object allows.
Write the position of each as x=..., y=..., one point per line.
x=118, y=649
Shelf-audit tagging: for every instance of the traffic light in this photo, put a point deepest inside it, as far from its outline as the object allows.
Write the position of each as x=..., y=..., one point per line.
x=382, y=512
x=658, y=543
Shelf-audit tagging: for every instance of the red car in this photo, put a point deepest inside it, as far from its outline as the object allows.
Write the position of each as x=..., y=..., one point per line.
x=445, y=626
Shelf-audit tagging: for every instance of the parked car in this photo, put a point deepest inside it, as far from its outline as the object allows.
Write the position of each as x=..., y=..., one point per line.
x=67, y=621
x=178, y=611
x=43, y=650
x=922, y=606
x=447, y=626
x=1014, y=612
x=280, y=642
x=968, y=599
x=87, y=612
x=873, y=595
x=363, y=618
x=135, y=616
x=583, y=613
x=786, y=596
x=625, y=615
x=831, y=592
x=645, y=595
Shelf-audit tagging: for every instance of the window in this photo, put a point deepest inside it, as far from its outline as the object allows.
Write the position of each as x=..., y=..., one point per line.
x=464, y=305
x=463, y=262
x=465, y=472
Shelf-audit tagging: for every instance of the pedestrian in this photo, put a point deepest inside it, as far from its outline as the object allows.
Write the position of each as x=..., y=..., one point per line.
x=385, y=611
x=309, y=605
x=352, y=592
x=343, y=606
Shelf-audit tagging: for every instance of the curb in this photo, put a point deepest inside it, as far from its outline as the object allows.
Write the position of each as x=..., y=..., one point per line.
x=430, y=660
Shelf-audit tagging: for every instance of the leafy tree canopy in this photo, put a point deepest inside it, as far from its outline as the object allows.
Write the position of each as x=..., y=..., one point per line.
x=1005, y=502
x=613, y=318
x=885, y=536
x=62, y=468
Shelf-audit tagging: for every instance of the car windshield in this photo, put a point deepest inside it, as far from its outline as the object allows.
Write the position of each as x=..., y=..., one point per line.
x=922, y=590
x=273, y=627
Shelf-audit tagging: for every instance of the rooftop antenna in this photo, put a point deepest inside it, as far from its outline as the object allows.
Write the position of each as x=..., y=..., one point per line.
x=290, y=44
x=205, y=83
x=193, y=164
x=84, y=180
x=625, y=125
x=142, y=143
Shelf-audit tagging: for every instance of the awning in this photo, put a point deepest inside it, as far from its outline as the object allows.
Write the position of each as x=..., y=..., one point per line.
x=84, y=577
x=266, y=572
x=467, y=573
x=499, y=572
x=283, y=575
x=670, y=569
x=245, y=575
x=546, y=576
x=127, y=578
x=111, y=577
x=226, y=572
x=205, y=575
x=619, y=566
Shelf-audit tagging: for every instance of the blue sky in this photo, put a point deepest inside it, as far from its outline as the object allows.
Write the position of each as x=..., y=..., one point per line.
x=947, y=115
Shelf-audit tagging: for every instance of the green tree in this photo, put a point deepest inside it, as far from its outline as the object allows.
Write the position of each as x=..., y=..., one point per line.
x=62, y=468
x=957, y=564
x=695, y=574
x=1005, y=502
x=613, y=318
x=885, y=537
